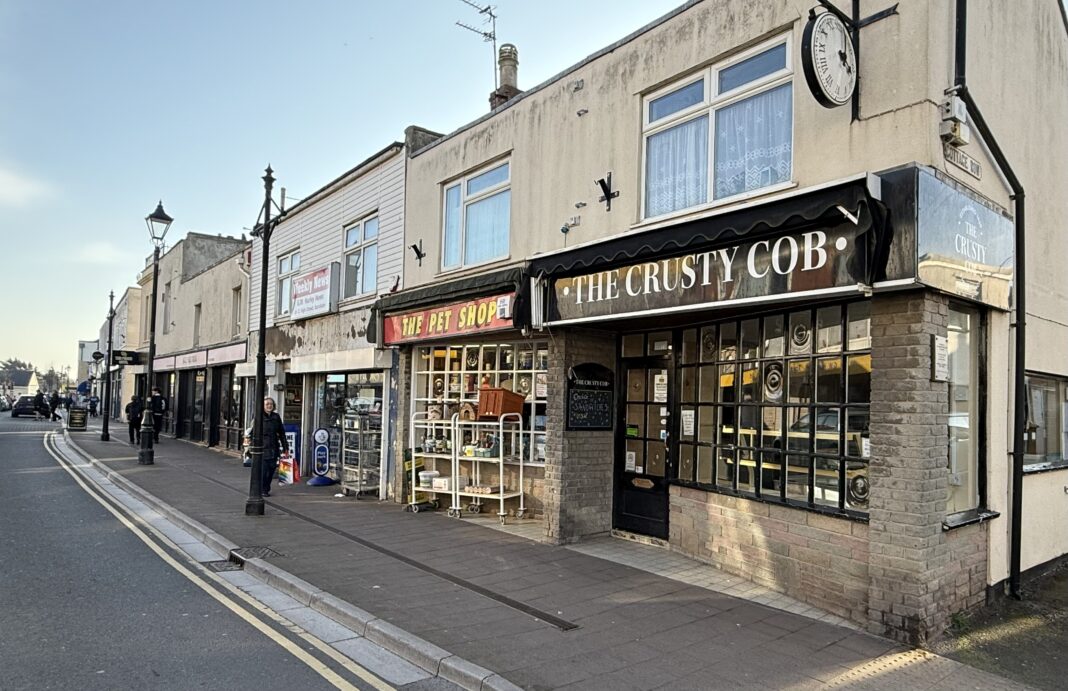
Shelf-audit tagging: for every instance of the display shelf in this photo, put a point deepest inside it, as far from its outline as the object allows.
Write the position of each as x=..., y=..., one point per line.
x=361, y=454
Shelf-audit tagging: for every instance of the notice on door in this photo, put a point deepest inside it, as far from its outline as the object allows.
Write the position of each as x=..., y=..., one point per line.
x=630, y=462
x=687, y=422
x=660, y=387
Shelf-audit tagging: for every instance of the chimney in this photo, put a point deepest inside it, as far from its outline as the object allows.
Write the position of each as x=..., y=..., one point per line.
x=508, y=61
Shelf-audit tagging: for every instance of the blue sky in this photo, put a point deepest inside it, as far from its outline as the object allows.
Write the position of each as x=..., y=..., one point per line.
x=106, y=107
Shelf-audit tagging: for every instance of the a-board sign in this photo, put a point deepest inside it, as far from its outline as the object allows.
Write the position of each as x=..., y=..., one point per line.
x=77, y=419
x=590, y=397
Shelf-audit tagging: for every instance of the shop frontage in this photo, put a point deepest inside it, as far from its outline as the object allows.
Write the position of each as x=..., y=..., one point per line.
x=204, y=397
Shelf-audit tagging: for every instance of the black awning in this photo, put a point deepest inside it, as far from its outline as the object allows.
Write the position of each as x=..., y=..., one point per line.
x=794, y=212
x=478, y=285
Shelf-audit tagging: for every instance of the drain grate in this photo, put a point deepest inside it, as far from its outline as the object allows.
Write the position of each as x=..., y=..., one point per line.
x=243, y=553
x=222, y=565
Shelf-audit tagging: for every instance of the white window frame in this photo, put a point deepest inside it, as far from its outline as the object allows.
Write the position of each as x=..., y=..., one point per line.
x=708, y=107
x=286, y=277
x=358, y=248
x=466, y=201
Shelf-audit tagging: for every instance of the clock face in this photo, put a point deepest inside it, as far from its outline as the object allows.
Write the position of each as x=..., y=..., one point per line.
x=829, y=61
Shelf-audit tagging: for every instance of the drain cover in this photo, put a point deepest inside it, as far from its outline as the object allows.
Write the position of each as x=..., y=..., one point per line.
x=254, y=553
x=223, y=565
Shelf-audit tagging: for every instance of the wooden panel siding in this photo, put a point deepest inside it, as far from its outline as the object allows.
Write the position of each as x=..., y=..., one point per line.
x=317, y=230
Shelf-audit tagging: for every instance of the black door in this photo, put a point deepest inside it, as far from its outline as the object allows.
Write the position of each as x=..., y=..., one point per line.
x=183, y=415
x=643, y=458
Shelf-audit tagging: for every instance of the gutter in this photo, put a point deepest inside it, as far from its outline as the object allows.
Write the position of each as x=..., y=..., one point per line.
x=960, y=88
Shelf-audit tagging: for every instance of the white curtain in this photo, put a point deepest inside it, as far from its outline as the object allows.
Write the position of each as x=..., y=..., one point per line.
x=754, y=142
x=676, y=168
x=486, y=228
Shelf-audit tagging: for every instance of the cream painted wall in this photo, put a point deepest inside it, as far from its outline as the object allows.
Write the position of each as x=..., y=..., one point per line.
x=1045, y=514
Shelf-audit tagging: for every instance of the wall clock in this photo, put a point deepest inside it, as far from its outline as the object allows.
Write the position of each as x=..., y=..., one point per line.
x=828, y=60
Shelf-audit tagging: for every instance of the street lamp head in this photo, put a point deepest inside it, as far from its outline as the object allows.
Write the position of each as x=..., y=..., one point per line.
x=158, y=224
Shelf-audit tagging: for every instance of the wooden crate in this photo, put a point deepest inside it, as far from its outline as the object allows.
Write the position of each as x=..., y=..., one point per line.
x=493, y=403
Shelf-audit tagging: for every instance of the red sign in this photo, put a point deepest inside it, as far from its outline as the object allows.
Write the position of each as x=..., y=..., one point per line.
x=473, y=316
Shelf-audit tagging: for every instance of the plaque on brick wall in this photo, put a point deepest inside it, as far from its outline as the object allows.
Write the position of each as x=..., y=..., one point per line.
x=590, y=397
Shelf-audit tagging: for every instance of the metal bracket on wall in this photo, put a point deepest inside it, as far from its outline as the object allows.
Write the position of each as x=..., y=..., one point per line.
x=607, y=195
x=855, y=24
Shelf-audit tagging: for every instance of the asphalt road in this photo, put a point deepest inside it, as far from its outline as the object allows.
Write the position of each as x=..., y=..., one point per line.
x=86, y=604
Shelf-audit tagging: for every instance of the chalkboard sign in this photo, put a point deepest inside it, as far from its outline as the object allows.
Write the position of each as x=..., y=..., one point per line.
x=77, y=419
x=590, y=397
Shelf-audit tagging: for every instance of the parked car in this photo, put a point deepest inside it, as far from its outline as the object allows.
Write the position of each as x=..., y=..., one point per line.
x=23, y=406
x=4, y=404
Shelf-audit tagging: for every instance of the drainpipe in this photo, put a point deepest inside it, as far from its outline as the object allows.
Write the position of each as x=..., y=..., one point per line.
x=960, y=87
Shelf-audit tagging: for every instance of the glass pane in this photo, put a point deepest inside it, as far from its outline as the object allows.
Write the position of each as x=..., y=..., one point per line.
x=750, y=346
x=471, y=358
x=747, y=470
x=827, y=430
x=677, y=100
x=636, y=385
x=704, y=464
x=636, y=418
x=751, y=389
x=688, y=420
x=728, y=341
x=754, y=142
x=826, y=491
x=352, y=236
x=708, y=344
x=686, y=462
x=635, y=458
x=1046, y=417
x=797, y=478
x=773, y=340
x=486, y=228
x=352, y=274
x=800, y=333
x=526, y=358
x=964, y=395
x=770, y=474
x=829, y=329
x=656, y=425
x=489, y=357
x=296, y=261
x=283, y=297
x=724, y=467
x=829, y=379
x=657, y=390
x=859, y=326
x=676, y=168
x=727, y=390
x=660, y=343
x=450, y=253
x=655, y=458
x=773, y=381
x=507, y=358
x=706, y=424
x=369, y=275
x=541, y=359
x=857, y=486
x=857, y=442
x=283, y=265
x=858, y=378
x=488, y=179
x=689, y=384
x=633, y=345
x=751, y=69
x=771, y=424
x=748, y=426
x=799, y=382
x=728, y=428
x=370, y=228
x=799, y=427
x=690, y=353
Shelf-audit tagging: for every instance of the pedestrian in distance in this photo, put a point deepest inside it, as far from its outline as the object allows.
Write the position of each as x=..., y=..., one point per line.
x=53, y=405
x=94, y=401
x=274, y=444
x=157, y=406
x=39, y=405
x=134, y=410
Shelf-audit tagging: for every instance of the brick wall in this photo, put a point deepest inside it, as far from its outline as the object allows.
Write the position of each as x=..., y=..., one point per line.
x=818, y=559
x=578, y=470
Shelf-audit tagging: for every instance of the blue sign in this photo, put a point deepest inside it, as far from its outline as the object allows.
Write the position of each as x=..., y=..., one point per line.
x=322, y=460
x=293, y=438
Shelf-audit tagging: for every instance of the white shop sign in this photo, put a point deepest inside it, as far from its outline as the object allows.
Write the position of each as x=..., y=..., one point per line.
x=315, y=292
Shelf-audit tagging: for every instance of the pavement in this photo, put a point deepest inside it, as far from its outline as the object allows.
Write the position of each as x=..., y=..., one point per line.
x=485, y=609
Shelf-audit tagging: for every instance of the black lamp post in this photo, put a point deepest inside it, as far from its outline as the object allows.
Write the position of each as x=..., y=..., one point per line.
x=254, y=503
x=158, y=223
x=104, y=435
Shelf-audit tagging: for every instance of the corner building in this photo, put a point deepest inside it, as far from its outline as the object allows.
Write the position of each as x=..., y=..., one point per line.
x=768, y=331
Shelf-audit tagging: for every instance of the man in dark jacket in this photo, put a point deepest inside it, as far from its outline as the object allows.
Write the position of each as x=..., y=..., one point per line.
x=134, y=410
x=157, y=405
x=274, y=444
x=40, y=407
x=53, y=404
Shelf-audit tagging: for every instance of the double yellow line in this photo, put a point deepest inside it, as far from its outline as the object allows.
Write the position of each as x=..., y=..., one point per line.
x=142, y=530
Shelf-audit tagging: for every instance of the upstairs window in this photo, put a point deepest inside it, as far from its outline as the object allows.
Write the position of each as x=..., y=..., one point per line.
x=361, y=257
x=723, y=132
x=477, y=218
x=288, y=266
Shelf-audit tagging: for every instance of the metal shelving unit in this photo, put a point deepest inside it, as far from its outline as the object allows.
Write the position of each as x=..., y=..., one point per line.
x=361, y=454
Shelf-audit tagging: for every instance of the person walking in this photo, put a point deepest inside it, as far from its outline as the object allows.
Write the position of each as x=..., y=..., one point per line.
x=94, y=401
x=274, y=444
x=134, y=410
x=53, y=404
x=157, y=406
x=39, y=405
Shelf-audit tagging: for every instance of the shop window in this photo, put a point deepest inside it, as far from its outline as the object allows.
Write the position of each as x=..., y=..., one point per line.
x=965, y=431
x=448, y=380
x=288, y=266
x=477, y=218
x=737, y=114
x=782, y=407
x=1046, y=436
x=167, y=307
x=361, y=257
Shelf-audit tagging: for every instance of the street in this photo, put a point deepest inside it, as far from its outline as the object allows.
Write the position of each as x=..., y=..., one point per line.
x=94, y=598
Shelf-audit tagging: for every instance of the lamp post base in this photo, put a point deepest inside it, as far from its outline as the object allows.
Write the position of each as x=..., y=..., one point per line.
x=146, y=457
x=254, y=507
x=104, y=436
